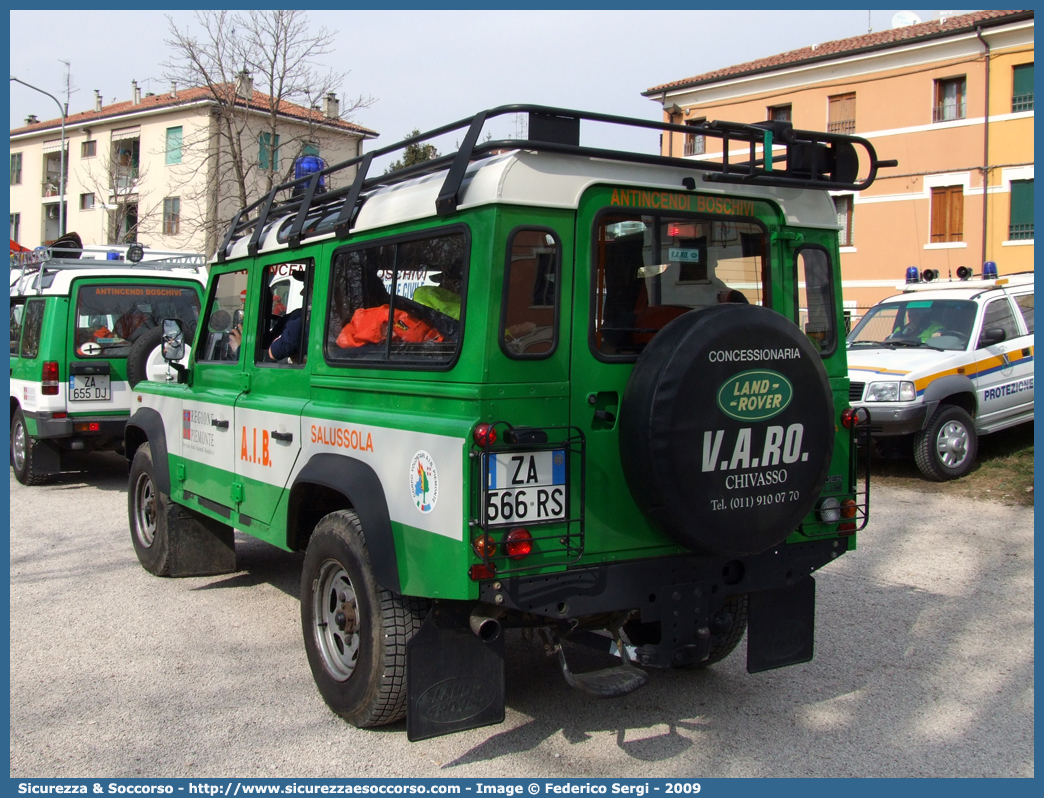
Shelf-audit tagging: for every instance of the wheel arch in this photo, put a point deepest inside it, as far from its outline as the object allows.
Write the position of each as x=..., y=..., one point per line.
x=146, y=426
x=331, y=482
x=953, y=389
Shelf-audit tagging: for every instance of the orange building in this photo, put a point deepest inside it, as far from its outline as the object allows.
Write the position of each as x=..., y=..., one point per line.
x=950, y=99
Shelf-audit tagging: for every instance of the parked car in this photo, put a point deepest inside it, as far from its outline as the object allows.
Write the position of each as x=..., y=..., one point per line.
x=942, y=363
x=83, y=331
x=535, y=384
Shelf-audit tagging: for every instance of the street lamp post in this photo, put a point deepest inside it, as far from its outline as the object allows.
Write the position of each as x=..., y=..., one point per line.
x=61, y=158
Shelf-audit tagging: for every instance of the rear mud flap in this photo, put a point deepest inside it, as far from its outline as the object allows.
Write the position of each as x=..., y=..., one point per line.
x=47, y=457
x=199, y=546
x=781, y=626
x=454, y=681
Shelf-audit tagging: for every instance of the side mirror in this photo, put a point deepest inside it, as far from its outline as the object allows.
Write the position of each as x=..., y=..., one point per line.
x=994, y=335
x=173, y=341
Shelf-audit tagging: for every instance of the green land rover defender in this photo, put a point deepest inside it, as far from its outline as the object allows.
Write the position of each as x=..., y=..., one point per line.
x=593, y=394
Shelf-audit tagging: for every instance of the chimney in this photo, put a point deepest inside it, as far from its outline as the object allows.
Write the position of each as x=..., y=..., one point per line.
x=174, y=89
x=97, y=100
x=137, y=93
x=331, y=106
x=245, y=85
x=31, y=119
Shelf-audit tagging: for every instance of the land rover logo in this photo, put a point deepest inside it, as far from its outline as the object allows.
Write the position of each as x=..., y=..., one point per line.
x=456, y=699
x=755, y=395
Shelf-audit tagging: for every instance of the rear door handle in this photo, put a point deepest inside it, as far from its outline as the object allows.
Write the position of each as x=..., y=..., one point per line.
x=219, y=423
x=282, y=436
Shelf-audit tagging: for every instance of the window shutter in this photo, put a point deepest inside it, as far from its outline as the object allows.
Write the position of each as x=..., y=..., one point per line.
x=939, y=226
x=956, y=213
x=1021, y=202
x=1022, y=80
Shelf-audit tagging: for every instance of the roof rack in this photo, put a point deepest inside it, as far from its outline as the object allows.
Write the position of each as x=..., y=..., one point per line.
x=809, y=160
x=50, y=260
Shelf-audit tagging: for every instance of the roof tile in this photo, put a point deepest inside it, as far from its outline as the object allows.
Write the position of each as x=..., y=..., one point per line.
x=841, y=47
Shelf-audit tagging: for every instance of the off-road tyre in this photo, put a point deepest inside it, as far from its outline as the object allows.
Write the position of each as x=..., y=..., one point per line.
x=937, y=447
x=140, y=354
x=355, y=632
x=148, y=513
x=22, y=452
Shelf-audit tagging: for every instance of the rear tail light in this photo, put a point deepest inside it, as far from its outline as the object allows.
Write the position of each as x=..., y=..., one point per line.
x=87, y=426
x=49, y=378
x=829, y=511
x=848, y=508
x=484, y=546
x=482, y=571
x=485, y=435
x=518, y=544
x=854, y=416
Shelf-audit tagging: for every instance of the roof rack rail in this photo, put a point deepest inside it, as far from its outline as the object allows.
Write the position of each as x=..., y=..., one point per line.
x=809, y=160
x=49, y=260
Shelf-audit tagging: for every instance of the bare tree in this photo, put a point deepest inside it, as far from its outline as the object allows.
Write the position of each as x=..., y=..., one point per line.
x=114, y=178
x=260, y=69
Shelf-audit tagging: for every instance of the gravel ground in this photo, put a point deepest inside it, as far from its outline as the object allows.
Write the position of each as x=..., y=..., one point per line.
x=923, y=667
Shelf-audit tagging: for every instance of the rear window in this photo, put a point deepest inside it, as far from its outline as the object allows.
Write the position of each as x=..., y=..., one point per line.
x=650, y=269
x=110, y=318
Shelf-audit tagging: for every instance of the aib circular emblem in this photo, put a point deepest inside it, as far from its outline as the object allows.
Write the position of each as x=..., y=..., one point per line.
x=424, y=482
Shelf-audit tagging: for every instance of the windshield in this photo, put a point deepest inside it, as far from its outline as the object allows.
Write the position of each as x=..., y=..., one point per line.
x=930, y=323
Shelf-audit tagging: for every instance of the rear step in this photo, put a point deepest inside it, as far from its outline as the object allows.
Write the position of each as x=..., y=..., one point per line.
x=607, y=683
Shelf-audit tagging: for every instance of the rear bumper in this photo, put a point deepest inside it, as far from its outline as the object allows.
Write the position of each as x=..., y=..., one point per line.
x=99, y=426
x=656, y=586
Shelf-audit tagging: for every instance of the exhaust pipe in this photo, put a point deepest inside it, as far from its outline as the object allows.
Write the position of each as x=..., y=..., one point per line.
x=484, y=625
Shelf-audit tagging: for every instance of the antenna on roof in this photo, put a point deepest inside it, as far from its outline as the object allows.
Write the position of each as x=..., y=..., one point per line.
x=904, y=19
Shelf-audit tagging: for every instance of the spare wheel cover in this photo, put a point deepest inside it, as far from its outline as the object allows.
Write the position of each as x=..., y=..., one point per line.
x=727, y=429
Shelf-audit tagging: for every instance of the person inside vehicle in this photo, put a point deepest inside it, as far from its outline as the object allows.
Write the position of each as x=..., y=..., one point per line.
x=288, y=340
x=920, y=324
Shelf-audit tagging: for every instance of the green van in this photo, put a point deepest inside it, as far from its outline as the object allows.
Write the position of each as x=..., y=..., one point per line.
x=530, y=384
x=83, y=330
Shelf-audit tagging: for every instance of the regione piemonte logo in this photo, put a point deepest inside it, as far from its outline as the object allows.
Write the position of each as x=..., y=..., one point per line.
x=424, y=482
x=186, y=424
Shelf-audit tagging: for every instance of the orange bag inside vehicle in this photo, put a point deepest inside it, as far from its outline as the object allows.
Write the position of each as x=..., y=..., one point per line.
x=370, y=326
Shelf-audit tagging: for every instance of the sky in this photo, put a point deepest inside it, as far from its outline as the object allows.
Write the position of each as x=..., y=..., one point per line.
x=428, y=68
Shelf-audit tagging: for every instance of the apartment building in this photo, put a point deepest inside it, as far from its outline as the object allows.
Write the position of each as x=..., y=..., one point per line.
x=951, y=99
x=157, y=169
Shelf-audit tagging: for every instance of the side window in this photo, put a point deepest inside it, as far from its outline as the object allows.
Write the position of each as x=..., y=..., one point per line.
x=283, y=320
x=529, y=319
x=413, y=288
x=815, y=311
x=32, y=327
x=1025, y=303
x=17, y=312
x=998, y=314
x=223, y=328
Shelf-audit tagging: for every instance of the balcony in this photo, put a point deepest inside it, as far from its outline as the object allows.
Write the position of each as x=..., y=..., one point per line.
x=841, y=126
x=50, y=187
x=948, y=112
x=1022, y=102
